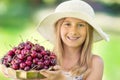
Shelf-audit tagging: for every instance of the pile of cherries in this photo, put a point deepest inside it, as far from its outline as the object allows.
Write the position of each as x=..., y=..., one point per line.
x=28, y=56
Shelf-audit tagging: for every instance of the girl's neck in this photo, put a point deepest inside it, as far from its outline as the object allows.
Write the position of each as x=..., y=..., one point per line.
x=70, y=52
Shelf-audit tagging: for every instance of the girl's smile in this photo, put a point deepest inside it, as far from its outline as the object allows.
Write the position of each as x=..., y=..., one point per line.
x=72, y=38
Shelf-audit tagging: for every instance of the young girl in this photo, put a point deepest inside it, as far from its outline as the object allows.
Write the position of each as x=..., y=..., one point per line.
x=72, y=29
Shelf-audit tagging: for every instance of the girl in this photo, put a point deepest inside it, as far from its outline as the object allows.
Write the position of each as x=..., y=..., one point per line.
x=72, y=30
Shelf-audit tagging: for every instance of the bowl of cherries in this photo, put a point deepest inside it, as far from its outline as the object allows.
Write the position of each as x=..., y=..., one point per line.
x=26, y=60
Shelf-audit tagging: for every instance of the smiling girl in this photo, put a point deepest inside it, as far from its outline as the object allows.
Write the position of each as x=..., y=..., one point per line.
x=72, y=30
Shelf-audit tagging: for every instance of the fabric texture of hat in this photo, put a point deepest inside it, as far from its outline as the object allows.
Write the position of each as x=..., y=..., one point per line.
x=72, y=8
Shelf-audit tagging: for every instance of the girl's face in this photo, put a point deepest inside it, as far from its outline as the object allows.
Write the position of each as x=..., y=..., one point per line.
x=73, y=32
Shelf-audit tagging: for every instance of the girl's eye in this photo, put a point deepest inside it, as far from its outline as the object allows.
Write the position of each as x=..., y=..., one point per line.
x=67, y=24
x=81, y=25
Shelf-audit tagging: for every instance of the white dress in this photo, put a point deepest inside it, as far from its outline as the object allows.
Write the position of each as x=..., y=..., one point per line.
x=69, y=77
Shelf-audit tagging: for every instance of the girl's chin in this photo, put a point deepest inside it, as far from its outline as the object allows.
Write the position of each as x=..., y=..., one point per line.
x=73, y=45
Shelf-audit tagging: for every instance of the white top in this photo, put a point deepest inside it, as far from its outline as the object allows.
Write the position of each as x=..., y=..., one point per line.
x=70, y=77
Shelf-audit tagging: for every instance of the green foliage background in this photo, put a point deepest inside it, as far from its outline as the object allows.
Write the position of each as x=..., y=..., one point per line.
x=18, y=21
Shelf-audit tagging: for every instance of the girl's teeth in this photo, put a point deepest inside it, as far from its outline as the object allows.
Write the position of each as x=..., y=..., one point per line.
x=73, y=38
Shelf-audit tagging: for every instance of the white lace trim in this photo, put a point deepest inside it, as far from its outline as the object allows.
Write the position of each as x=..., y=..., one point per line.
x=69, y=77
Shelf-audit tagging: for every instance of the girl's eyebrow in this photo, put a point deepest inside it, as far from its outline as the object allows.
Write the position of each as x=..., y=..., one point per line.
x=77, y=22
x=66, y=21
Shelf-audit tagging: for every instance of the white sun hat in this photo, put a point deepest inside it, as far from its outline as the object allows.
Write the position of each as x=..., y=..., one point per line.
x=72, y=8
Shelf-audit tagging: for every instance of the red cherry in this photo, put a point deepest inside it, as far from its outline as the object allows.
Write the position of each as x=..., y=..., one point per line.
x=28, y=63
x=15, y=66
x=29, y=58
x=27, y=68
x=18, y=51
x=22, y=65
x=20, y=56
x=11, y=53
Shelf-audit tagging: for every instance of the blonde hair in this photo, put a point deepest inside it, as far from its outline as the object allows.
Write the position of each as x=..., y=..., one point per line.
x=84, y=64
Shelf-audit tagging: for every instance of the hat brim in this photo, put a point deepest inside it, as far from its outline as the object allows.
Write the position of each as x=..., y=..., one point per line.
x=46, y=26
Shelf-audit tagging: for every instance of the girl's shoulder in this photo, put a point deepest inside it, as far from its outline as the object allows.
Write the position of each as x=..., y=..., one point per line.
x=96, y=59
x=96, y=68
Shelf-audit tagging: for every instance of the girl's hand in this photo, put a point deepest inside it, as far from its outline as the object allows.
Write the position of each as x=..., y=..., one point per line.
x=4, y=72
x=53, y=75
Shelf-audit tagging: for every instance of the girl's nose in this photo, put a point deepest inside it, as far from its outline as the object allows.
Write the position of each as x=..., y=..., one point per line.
x=73, y=31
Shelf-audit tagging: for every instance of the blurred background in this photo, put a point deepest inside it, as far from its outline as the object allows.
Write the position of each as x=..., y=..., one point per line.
x=19, y=20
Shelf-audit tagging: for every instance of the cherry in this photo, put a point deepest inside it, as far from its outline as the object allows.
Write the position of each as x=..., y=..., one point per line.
x=46, y=62
x=15, y=66
x=11, y=53
x=18, y=51
x=29, y=58
x=28, y=63
x=27, y=68
x=22, y=65
x=28, y=47
x=21, y=45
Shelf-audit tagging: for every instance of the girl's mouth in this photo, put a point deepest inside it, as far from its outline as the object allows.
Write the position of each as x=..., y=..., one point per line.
x=72, y=38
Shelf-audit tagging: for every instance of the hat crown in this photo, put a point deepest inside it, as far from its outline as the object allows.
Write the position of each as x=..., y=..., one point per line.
x=76, y=6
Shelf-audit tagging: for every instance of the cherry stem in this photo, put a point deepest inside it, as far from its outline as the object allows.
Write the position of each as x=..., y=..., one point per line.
x=34, y=67
x=21, y=38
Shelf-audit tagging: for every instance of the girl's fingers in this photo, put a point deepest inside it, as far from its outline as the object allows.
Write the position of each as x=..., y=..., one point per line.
x=57, y=67
x=44, y=72
x=5, y=74
x=51, y=74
